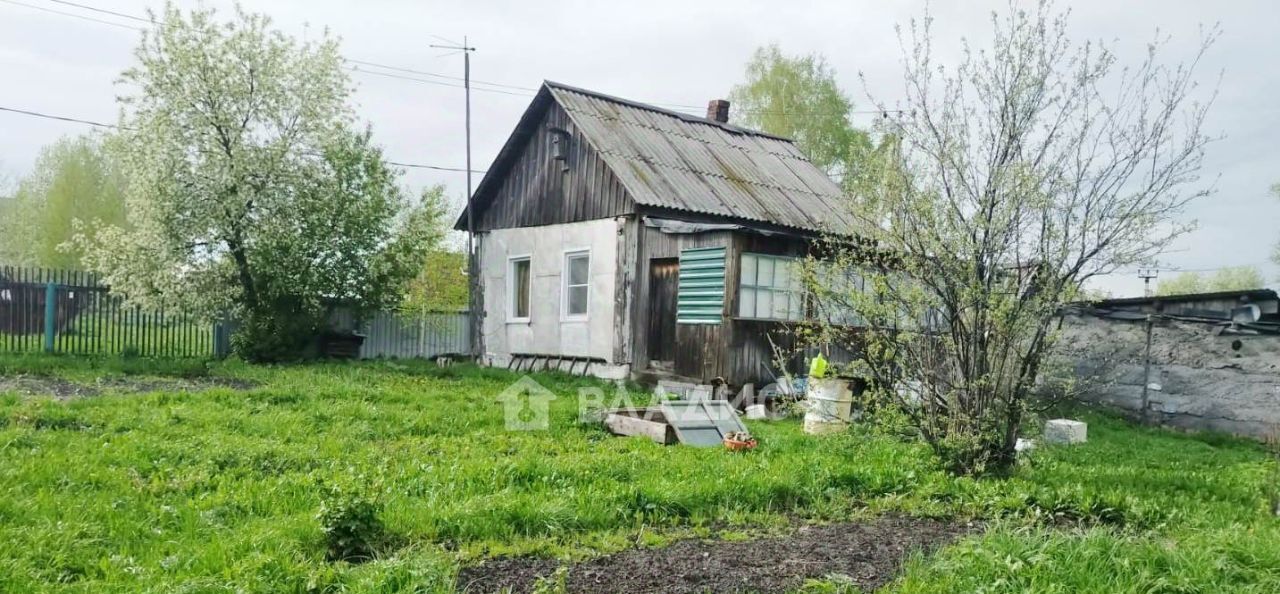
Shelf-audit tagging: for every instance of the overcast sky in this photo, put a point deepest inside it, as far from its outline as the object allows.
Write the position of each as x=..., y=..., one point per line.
x=677, y=53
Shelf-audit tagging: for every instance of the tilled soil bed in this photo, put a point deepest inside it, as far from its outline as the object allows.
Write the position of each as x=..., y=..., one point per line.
x=866, y=554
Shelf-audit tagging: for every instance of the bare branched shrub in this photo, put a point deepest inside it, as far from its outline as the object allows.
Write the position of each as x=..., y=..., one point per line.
x=1008, y=181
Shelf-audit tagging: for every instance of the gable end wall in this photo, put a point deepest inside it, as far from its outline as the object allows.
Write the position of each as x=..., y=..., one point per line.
x=540, y=190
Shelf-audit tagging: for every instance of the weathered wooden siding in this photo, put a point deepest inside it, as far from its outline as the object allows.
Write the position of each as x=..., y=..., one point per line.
x=541, y=190
x=624, y=292
x=737, y=350
x=698, y=349
x=747, y=342
x=752, y=358
x=664, y=282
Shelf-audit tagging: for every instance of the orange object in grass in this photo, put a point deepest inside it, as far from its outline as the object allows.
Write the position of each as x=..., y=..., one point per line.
x=734, y=445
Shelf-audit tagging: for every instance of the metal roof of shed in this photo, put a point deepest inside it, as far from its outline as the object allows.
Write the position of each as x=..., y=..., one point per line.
x=672, y=160
x=679, y=162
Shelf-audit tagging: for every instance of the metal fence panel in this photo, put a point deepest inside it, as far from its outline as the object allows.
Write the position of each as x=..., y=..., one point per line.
x=409, y=336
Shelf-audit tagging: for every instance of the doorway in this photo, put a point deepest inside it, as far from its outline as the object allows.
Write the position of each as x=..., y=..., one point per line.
x=664, y=281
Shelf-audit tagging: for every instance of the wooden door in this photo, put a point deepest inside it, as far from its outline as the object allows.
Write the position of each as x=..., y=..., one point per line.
x=664, y=280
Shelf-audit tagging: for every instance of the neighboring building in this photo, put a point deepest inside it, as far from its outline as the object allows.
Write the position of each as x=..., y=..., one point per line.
x=1219, y=305
x=1200, y=361
x=624, y=239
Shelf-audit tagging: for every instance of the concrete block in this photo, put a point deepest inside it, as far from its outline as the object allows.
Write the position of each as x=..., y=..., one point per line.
x=1065, y=431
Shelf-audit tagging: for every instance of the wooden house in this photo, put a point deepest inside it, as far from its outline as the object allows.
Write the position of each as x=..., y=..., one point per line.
x=622, y=239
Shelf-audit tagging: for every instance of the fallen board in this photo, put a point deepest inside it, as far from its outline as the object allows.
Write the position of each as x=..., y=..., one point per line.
x=646, y=422
x=702, y=423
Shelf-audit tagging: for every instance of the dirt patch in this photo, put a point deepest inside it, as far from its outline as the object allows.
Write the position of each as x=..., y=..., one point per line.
x=865, y=554
x=38, y=385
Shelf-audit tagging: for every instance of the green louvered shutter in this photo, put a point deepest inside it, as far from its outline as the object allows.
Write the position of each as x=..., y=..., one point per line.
x=700, y=299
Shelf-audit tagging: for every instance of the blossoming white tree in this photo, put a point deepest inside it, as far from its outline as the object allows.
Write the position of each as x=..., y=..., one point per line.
x=252, y=191
x=1013, y=178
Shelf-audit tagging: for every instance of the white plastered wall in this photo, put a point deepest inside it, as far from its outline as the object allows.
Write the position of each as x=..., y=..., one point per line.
x=548, y=331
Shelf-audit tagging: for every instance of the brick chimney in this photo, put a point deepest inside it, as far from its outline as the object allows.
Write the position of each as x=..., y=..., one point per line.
x=718, y=110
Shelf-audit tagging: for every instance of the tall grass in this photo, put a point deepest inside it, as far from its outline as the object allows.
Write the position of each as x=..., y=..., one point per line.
x=219, y=490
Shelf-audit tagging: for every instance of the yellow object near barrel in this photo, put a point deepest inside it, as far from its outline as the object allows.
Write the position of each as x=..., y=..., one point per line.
x=818, y=366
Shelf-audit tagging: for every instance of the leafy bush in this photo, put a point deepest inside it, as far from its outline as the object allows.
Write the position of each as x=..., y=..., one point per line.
x=352, y=530
x=282, y=333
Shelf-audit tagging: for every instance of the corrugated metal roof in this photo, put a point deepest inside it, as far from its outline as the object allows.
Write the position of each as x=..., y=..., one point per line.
x=672, y=160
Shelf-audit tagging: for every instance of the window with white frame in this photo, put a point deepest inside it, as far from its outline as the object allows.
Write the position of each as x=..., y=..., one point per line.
x=770, y=288
x=518, y=277
x=577, y=291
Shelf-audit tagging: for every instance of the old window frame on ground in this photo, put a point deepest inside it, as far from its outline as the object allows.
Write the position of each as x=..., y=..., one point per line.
x=567, y=286
x=513, y=290
x=751, y=287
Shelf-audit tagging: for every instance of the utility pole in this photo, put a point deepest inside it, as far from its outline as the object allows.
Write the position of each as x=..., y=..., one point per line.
x=473, y=304
x=1146, y=274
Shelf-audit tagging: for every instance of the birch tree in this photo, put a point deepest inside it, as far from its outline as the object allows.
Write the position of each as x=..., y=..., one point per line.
x=797, y=97
x=252, y=190
x=1019, y=173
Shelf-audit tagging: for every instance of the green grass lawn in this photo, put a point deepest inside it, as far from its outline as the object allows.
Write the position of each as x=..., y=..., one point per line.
x=219, y=490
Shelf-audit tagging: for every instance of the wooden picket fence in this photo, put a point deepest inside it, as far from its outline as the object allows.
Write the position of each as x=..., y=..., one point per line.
x=73, y=312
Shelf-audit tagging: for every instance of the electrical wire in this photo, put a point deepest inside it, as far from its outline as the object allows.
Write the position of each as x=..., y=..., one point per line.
x=442, y=76
x=434, y=82
x=73, y=15
x=477, y=85
x=101, y=10
x=57, y=117
x=60, y=118
x=349, y=60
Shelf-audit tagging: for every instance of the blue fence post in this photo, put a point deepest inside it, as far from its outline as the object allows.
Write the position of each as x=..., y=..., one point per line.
x=50, y=310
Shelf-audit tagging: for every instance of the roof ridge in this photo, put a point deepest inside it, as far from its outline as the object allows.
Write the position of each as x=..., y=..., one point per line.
x=624, y=122
x=732, y=128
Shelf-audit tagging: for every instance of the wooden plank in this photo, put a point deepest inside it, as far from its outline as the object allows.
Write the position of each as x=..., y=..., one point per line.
x=624, y=289
x=628, y=425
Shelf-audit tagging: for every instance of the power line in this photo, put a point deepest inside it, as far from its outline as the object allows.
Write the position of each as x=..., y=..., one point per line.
x=349, y=60
x=60, y=118
x=73, y=15
x=435, y=167
x=528, y=91
x=57, y=117
x=101, y=10
x=443, y=76
x=434, y=82
x=1173, y=269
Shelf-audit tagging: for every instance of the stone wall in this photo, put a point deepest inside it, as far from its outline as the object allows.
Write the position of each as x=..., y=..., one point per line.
x=1201, y=377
